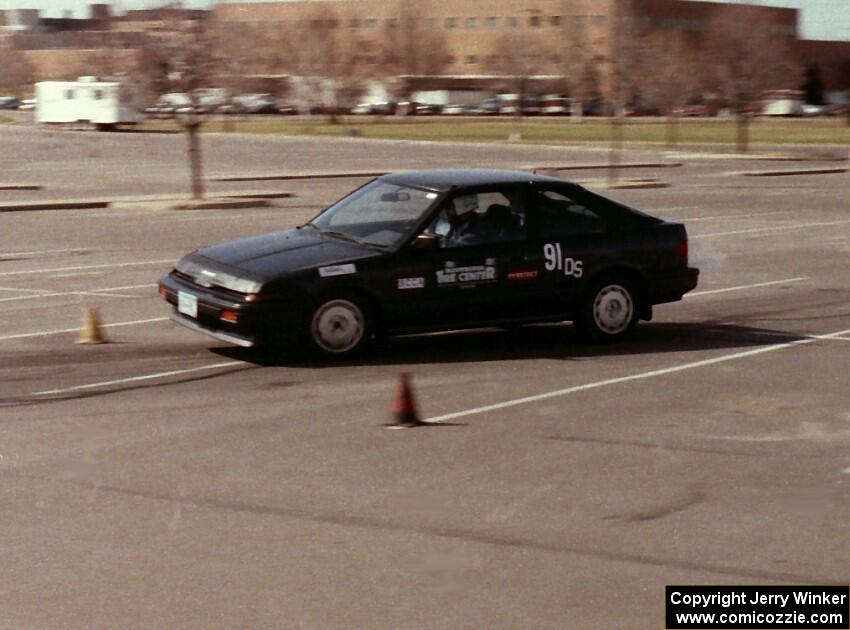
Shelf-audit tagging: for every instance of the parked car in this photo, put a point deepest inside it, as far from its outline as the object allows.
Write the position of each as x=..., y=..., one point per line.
x=437, y=250
x=387, y=108
x=695, y=110
x=9, y=102
x=510, y=102
x=456, y=110
x=555, y=105
x=28, y=104
x=428, y=109
x=255, y=104
x=489, y=107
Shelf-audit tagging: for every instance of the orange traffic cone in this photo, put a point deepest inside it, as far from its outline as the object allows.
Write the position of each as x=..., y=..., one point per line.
x=404, y=410
x=91, y=332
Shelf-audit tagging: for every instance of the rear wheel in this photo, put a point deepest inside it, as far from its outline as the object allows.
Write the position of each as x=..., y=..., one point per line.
x=339, y=326
x=609, y=310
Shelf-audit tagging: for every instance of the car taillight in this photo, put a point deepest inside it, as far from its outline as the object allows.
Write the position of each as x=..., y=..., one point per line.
x=682, y=251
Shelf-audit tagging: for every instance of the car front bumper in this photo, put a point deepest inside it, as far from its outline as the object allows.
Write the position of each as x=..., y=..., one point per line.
x=249, y=323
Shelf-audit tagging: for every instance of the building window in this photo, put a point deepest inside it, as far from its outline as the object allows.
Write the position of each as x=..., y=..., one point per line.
x=471, y=22
x=492, y=22
x=451, y=22
x=450, y=60
x=98, y=95
x=431, y=22
x=534, y=20
x=599, y=20
x=353, y=23
x=472, y=59
x=371, y=23
x=578, y=20
x=513, y=21
x=69, y=94
x=412, y=23
x=556, y=60
x=555, y=20
x=391, y=22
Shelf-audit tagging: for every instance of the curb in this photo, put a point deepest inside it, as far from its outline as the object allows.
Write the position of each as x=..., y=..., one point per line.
x=221, y=204
x=291, y=176
x=626, y=184
x=595, y=167
x=807, y=171
x=20, y=187
x=245, y=199
x=29, y=206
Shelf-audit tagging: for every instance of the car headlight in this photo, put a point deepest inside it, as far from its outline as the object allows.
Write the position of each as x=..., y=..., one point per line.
x=206, y=277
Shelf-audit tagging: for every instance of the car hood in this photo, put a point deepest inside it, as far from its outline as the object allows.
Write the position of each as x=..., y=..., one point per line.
x=271, y=255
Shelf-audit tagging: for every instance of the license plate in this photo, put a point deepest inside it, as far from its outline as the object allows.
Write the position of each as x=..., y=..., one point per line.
x=187, y=304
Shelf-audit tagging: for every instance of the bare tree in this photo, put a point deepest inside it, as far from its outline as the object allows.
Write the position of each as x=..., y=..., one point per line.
x=410, y=49
x=745, y=57
x=185, y=62
x=581, y=65
x=16, y=72
x=518, y=55
x=673, y=80
x=323, y=63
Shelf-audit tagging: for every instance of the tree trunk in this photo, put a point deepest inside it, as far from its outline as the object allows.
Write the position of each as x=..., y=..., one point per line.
x=616, y=149
x=194, y=140
x=742, y=121
x=672, y=130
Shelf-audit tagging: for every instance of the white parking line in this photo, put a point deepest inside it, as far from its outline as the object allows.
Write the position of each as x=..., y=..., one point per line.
x=135, y=379
x=732, y=217
x=747, y=286
x=109, y=266
x=76, y=250
x=94, y=292
x=77, y=329
x=634, y=377
x=775, y=228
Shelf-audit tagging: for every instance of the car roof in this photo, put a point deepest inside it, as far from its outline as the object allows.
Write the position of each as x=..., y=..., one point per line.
x=446, y=179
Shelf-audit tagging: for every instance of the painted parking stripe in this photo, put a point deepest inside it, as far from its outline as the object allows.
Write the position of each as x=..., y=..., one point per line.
x=85, y=267
x=775, y=228
x=731, y=217
x=136, y=379
x=746, y=286
x=76, y=250
x=633, y=377
x=94, y=292
x=44, y=333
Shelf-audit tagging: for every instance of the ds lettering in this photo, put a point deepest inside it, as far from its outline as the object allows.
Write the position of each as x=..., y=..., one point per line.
x=555, y=260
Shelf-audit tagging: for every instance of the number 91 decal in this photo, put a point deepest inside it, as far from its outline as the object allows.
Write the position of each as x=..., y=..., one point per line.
x=556, y=260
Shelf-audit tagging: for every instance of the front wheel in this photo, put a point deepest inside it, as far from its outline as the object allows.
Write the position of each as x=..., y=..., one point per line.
x=609, y=310
x=338, y=327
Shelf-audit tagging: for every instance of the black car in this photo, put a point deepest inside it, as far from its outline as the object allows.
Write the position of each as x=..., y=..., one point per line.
x=437, y=250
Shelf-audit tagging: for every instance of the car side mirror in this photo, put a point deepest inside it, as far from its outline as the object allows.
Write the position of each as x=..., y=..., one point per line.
x=426, y=241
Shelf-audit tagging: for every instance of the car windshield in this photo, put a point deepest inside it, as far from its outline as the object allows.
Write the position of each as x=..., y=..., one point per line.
x=379, y=214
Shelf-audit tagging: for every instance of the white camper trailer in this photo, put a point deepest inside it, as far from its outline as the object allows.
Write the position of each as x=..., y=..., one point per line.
x=86, y=102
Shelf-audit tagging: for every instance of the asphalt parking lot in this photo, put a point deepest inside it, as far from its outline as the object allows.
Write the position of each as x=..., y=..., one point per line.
x=168, y=480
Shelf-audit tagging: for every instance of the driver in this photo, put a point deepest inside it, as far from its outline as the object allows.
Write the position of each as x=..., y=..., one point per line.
x=459, y=224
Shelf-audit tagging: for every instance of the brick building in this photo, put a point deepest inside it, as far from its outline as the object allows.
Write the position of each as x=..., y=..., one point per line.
x=561, y=44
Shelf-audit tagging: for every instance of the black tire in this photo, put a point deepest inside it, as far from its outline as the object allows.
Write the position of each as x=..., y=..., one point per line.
x=339, y=326
x=609, y=310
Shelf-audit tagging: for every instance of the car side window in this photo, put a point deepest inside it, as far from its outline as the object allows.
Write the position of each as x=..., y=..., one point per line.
x=559, y=215
x=481, y=219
